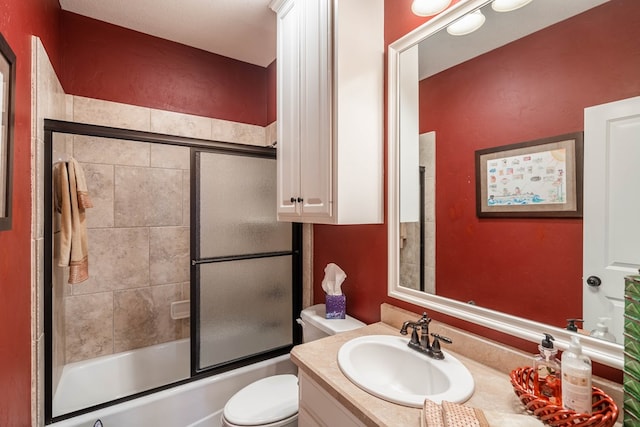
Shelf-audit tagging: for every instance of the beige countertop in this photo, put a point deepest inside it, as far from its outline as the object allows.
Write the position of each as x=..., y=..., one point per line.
x=493, y=391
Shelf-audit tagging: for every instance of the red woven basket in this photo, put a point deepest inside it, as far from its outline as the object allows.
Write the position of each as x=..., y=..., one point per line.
x=604, y=410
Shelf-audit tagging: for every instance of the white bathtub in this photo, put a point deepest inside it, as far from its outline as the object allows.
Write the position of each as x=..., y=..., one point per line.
x=196, y=404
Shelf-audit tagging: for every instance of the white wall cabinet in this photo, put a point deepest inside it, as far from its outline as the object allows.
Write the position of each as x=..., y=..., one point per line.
x=319, y=409
x=330, y=110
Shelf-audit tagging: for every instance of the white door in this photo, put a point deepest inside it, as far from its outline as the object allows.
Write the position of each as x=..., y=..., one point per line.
x=611, y=209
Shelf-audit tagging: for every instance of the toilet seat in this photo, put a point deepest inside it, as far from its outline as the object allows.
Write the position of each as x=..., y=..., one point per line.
x=264, y=402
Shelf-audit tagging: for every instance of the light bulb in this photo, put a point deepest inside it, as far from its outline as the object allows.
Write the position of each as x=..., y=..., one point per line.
x=467, y=24
x=429, y=7
x=508, y=5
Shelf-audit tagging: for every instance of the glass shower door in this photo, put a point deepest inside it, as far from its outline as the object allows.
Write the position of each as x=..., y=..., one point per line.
x=243, y=261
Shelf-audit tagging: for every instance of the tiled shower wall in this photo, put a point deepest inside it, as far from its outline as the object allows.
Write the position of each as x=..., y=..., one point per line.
x=138, y=237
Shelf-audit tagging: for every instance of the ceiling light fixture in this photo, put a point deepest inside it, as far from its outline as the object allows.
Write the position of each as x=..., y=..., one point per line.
x=429, y=7
x=508, y=5
x=467, y=24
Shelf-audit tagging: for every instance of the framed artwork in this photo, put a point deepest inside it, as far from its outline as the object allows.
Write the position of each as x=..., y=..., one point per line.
x=7, y=100
x=541, y=178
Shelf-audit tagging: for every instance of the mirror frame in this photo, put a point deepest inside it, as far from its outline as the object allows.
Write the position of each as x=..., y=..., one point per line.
x=605, y=352
x=7, y=108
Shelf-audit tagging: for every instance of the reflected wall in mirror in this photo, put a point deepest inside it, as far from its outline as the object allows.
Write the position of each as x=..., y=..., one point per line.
x=507, y=92
x=7, y=102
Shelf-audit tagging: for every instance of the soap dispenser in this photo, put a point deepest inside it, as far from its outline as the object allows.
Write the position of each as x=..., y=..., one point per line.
x=546, y=377
x=576, y=379
x=571, y=325
x=602, y=330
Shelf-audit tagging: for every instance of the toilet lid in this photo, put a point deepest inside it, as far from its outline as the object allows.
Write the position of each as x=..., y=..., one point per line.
x=265, y=401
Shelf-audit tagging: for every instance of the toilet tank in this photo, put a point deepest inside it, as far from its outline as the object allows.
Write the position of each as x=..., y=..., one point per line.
x=315, y=325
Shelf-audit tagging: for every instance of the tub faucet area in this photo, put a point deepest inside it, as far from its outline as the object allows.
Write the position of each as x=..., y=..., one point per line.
x=423, y=344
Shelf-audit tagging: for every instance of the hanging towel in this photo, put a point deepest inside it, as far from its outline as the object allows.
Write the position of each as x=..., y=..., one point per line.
x=71, y=200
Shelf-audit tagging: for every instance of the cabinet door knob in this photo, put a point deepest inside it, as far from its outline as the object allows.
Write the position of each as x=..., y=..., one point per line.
x=300, y=199
x=293, y=200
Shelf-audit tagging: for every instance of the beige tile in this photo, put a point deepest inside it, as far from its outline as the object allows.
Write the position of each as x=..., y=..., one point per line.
x=38, y=186
x=100, y=185
x=170, y=156
x=142, y=317
x=186, y=323
x=179, y=124
x=271, y=134
x=89, y=326
x=186, y=198
x=410, y=275
x=239, y=133
x=59, y=320
x=430, y=244
x=91, y=149
x=37, y=390
x=169, y=258
x=118, y=259
x=113, y=114
x=38, y=281
x=148, y=197
x=69, y=107
x=49, y=96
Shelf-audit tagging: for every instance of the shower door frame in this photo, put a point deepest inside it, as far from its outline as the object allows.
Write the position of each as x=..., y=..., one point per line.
x=73, y=128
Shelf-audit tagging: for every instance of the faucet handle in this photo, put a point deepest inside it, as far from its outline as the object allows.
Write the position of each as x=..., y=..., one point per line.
x=441, y=338
x=435, y=345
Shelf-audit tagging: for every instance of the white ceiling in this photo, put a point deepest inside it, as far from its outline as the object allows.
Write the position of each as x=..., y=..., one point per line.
x=240, y=29
x=441, y=50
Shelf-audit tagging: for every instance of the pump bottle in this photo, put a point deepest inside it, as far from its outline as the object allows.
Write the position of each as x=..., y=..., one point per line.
x=602, y=330
x=546, y=383
x=576, y=379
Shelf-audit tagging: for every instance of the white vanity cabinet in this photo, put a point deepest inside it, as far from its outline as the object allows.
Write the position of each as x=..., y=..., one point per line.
x=319, y=409
x=330, y=110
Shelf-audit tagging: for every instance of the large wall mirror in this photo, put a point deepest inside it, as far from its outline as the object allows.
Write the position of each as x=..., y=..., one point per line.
x=525, y=75
x=7, y=105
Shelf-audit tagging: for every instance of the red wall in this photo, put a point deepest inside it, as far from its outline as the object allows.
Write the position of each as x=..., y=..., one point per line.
x=550, y=243
x=505, y=97
x=104, y=61
x=18, y=20
x=101, y=61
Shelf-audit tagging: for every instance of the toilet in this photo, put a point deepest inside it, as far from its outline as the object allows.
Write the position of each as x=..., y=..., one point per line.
x=273, y=401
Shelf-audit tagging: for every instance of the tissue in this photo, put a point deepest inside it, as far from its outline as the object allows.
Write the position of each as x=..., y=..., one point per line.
x=335, y=301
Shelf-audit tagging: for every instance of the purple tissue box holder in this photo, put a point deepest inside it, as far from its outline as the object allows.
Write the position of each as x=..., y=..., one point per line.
x=336, y=306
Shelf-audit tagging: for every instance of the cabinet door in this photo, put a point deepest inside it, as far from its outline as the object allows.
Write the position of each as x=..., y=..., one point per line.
x=316, y=107
x=319, y=408
x=289, y=109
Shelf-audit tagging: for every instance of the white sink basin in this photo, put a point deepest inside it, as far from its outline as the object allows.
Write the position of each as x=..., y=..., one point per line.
x=386, y=367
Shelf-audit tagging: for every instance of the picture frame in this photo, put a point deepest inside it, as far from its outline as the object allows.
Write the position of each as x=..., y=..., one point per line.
x=7, y=104
x=540, y=178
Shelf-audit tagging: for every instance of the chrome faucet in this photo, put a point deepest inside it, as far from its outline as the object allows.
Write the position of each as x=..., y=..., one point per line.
x=422, y=344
